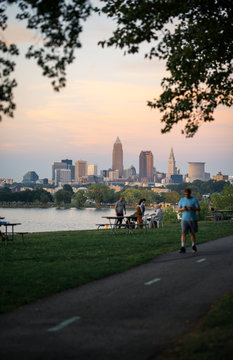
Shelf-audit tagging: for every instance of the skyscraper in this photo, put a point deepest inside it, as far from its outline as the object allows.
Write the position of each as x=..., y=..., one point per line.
x=117, y=157
x=62, y=176
x=80, y=169
x=146, y=165
x=70, y=166
x=57, y=165
x=92, y=170
x=172, y=164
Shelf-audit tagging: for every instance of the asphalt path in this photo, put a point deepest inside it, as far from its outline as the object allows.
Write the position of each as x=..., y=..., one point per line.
x=132, y=315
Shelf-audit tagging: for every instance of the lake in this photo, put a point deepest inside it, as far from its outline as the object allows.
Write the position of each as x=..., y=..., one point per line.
x=52, y=219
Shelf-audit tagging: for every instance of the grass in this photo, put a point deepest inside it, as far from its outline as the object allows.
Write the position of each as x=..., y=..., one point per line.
x=48, y=263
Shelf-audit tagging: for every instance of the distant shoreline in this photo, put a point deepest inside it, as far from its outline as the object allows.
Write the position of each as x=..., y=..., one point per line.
x=48, y=206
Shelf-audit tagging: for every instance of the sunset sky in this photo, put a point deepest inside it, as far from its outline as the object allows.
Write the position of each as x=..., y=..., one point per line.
x=105, y=97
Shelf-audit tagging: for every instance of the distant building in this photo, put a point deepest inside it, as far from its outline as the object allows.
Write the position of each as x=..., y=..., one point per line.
x=160, y=176
x=45, y=181
x=197, y=172
x=114, y=174
x=117, y=157
x=130, y=173
x=6, y=181
x=146, y=166
x=177, y=178
x=92, y=170
x=172, y=170
x=80, y=169
x=70, y=166
x=62, y=176
x=105, y=173
x=220, y=177
x=57, y=165
x=30, y=176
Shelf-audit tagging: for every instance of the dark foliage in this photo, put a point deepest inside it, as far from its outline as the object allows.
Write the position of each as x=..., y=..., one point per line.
x=194, y=37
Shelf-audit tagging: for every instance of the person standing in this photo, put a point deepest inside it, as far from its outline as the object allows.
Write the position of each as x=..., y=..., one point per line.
x=188, y=206
x=120, y=210
x=143, y=206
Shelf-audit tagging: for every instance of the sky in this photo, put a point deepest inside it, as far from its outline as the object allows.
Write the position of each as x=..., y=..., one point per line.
x=105, y=97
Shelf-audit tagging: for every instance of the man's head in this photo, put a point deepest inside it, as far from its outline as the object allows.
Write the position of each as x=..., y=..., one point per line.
x=121, y=199
x=187, y=193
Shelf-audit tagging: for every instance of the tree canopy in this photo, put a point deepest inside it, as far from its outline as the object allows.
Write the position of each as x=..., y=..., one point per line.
x=194, y=37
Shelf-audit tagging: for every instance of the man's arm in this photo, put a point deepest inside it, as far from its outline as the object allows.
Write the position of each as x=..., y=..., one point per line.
x=181, y=208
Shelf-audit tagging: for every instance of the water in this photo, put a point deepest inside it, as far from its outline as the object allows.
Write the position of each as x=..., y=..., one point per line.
x=52, y=219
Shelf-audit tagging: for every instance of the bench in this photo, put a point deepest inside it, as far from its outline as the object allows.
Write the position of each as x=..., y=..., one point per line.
x=107, y=226
x=211, y=218
x=22, y=234
x=114, y=227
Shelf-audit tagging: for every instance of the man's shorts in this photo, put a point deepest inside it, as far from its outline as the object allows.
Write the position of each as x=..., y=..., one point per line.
x=189, y=227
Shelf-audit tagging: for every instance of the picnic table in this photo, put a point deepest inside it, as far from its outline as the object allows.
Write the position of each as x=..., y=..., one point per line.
x=9, y=225
x=221, y=215
x=225, y=214
x=128, y=222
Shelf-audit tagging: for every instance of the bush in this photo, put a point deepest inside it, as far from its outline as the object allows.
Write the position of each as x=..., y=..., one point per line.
x=170, y=216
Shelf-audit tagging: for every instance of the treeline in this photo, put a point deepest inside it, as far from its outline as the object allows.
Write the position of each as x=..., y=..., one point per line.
x=27, y=196
x=95, y=195
x=199, y=187
x=100, y=195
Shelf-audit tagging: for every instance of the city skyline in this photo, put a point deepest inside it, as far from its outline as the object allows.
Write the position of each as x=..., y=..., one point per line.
x=105, y=97
x=145, y=165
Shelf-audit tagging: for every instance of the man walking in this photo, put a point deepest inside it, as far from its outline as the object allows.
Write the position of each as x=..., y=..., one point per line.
x=188, y=205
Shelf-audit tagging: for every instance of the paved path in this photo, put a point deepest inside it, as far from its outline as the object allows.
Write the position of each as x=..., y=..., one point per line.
x=130, y=316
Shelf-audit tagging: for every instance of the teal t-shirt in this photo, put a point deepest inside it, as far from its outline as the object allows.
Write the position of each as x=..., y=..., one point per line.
x=189, y=215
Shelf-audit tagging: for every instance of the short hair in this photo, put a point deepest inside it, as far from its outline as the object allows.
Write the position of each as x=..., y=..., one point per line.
x=188, y=190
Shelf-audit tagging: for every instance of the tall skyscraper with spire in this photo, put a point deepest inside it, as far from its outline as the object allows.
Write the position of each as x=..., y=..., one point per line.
x=172, y=164
x=117, y=157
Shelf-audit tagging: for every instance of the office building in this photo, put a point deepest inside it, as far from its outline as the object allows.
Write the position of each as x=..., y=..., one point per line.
x=80, y=169
x=146, y=166
x=70, y=166
x=62, y=176
x=92, y=170
x=57, y=165
x=117, y=157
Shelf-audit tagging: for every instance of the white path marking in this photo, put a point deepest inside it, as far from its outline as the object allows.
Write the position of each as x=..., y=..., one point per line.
x=64, y=323
x=201, y=260
x=152, y=281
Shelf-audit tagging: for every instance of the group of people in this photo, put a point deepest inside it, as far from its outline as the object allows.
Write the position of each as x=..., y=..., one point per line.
x=137, y=216
x=188, y=206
